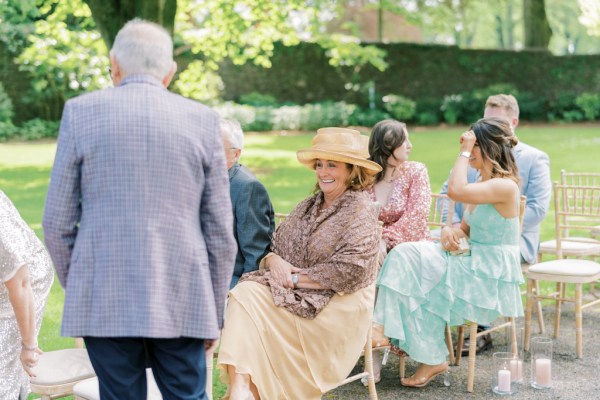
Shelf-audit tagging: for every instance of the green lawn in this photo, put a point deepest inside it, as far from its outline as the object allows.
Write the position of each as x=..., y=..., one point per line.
x=25, y=168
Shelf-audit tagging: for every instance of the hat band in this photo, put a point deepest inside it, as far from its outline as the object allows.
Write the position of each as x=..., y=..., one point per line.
x=336, y=148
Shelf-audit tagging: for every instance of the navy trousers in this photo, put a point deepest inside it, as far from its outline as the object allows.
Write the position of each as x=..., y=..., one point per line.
x=178, y=365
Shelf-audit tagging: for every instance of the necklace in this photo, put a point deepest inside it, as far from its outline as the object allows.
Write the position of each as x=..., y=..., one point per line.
x=393, y=177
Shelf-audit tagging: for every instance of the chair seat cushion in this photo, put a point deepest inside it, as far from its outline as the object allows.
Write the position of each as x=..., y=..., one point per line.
x=567, y=267
x=583, y=246
x=89, y=390
x=61, y=367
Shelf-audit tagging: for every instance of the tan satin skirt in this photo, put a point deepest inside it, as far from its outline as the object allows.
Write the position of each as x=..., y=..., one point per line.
x=289, y=357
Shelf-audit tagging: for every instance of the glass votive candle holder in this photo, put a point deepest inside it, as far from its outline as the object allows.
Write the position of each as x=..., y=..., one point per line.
x=502, y=374
x=541, y=362
x=515, y=347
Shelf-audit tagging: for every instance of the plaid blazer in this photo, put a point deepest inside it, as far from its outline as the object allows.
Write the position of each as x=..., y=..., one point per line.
x=138, y=217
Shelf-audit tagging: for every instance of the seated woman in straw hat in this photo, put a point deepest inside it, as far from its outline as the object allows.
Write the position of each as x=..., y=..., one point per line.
x=282, y=336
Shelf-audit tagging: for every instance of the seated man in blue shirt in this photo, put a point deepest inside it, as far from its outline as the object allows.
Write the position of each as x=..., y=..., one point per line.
x=253, y=215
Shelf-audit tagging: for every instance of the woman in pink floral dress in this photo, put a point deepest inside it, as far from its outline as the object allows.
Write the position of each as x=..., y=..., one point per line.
x=403, y=193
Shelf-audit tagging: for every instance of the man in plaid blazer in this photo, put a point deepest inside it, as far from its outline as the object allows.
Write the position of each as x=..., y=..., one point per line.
x=138, y=222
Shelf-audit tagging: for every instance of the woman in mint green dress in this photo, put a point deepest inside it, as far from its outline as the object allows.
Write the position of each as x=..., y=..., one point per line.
x=422, y=287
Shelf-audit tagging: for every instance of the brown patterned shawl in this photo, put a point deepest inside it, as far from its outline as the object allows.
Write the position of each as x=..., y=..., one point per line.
x=338, y=248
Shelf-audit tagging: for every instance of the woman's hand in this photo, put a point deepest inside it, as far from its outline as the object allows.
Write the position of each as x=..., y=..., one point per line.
x=29, y=359
x=467, y=141
x=281, y=270
x=449, y=239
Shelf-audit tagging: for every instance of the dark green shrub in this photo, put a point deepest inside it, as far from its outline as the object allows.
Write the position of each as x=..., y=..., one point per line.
x=367, y=117
x=428, y=112
x=399, y=107
x=451, y=108
x=35, y=129
x=257, y=99
x=563, y=108
x=6, y=106
x=7, y=131
x=589, y=103
x=531, y=107
x=427, y=118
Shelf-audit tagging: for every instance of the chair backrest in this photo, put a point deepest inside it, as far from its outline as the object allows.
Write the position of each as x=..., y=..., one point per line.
x=577, y=213
x=522, y=206
x=440, y=211
x=279, y=217
x=579, y=178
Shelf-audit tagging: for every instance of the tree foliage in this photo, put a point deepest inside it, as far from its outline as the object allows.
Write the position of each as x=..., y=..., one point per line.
x=65, y=56
x=590, y=16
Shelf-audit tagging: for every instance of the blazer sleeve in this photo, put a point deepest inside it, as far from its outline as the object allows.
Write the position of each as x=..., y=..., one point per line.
x=255, y=223
x=216, y=220
x=539, y=192
x=62, y=211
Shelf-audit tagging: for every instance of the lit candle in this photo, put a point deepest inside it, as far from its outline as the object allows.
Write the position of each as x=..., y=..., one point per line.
x=504, y=380
x=543, y=374
x=516, y=369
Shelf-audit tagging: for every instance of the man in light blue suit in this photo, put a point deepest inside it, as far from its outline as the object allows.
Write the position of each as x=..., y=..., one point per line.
x=253, y=215
x=534, y=171
x=138, y=223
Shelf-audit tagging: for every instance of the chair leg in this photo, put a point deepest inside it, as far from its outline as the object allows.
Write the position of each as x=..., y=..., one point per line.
x=460, y=341
x=472, y=354
x=209, y=375
x=538, y=303
x=514, y=348
x=402, y=367
x=557, y=307
x=369, y=366
x=578, y=320
x=449, y=344
x=528, y=307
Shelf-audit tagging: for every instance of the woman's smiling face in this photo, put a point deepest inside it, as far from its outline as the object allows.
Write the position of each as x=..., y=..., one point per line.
x=332, y=177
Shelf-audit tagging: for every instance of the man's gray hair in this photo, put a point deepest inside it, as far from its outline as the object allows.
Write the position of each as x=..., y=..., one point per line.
x=143, y=47
x=232, y=131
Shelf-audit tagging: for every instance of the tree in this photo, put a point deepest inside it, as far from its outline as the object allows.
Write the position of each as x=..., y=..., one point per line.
x=111, y=15
x=590, y=16
x=536, y=25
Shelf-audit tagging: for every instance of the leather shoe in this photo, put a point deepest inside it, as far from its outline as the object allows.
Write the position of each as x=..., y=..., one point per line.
x=483, y=343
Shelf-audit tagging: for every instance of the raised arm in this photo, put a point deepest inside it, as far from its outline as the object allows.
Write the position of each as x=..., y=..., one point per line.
x=491, y=191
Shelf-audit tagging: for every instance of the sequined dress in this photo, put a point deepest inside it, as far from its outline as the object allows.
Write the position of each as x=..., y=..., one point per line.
x=421, y=288
x=18, y=246
x=405, y=215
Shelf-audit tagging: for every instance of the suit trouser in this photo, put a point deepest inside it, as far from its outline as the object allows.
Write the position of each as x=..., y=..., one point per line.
x=178, y=365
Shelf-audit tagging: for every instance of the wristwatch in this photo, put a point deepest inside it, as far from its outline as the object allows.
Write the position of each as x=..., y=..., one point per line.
x=465, y=154
x=295, y=280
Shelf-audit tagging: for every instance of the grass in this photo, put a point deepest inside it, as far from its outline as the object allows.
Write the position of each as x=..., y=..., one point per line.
x=25, y=169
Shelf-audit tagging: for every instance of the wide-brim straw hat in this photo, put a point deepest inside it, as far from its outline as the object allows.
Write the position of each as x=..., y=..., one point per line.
x=339, y=144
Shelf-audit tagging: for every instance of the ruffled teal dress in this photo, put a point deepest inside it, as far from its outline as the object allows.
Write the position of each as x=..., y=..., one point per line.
x=421, y=287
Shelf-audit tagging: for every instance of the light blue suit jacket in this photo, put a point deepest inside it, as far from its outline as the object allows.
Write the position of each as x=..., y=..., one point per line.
x=138, y=219
x=534, y=170
x=253, y=217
